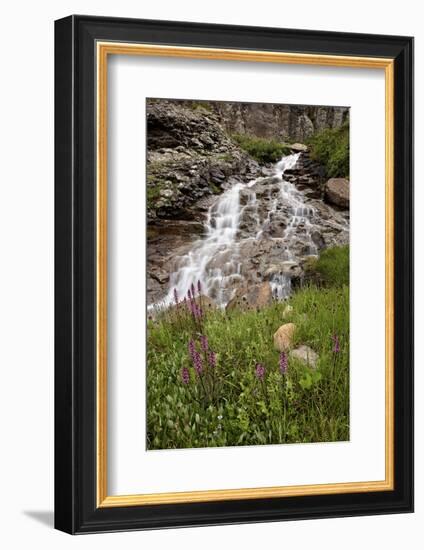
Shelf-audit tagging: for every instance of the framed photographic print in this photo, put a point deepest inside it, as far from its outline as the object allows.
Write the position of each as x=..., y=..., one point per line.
x=234, y=259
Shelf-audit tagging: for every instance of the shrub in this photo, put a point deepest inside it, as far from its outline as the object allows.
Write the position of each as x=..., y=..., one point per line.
x=261, y=149
x=330, y=147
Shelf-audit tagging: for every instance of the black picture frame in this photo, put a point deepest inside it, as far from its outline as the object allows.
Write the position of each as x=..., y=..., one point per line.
x=76, y=510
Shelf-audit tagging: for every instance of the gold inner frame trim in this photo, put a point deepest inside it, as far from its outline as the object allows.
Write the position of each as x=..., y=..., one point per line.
x=103, y=50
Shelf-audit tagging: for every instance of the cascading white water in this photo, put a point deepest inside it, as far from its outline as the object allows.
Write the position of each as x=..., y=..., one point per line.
x=300, y=222
x=214, y=260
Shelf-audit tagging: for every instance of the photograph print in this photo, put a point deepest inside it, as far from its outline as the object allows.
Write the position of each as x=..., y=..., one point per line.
x=247, y=274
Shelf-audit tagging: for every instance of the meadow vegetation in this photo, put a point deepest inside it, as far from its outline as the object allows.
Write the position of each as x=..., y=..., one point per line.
x=261, y=149
x=214, y=378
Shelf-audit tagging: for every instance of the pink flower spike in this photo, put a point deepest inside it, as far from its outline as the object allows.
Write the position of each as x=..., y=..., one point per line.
x=197, y=363
x=191, y=349
x=336, y=343
x=204, y=343
x=260, y=371
x=212, y=359
x=283, y=363
x=185, y=375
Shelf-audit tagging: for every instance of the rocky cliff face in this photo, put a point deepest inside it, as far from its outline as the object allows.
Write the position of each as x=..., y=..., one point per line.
x=282, y=122
x=189, y=157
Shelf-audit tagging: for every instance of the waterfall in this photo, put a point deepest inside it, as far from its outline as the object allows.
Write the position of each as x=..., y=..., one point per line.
x=215, y=261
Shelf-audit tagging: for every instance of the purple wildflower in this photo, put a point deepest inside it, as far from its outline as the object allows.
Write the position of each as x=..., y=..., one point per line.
x=283, y=363
x=191, y=349
x=189, y=294
x=193, y=290
x=212, y=359
x=260, y=371
x=199, y=287
x=197, y=363
x=185, y=375
x=194, y=309
x=204, y=343
x=336, y=343
x=175, y=296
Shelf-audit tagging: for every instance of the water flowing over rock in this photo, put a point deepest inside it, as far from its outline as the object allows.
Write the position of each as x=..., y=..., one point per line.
x=261, y=230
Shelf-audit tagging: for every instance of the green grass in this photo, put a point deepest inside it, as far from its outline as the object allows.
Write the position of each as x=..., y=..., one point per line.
x=228, y=405
x=331, y=268
x=262, y=150
x=330, y=147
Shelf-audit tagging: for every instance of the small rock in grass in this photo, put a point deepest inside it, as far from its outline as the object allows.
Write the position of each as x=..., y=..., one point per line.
x=283, y=338
x=306, y=355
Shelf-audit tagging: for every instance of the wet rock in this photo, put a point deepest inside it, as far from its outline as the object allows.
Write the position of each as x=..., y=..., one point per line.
x=312, y=193
x=337, y=192
x=318, y=240
x=288, y=268
x=251, y=297
x=158, y=274
x=283, y=338
x=306, y=355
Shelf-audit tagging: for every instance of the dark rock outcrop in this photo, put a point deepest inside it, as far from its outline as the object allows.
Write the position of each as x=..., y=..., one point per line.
x=189, y=157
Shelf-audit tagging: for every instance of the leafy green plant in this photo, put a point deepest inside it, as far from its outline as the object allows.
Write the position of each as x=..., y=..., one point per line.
x=330, y=147
x=261, y=149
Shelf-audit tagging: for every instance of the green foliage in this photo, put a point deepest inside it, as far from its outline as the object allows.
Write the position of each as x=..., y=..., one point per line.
x=330, y=147
x=153, y=194
x=262, y=150
x=201, y=105
x=228, y=404
x=333, y=266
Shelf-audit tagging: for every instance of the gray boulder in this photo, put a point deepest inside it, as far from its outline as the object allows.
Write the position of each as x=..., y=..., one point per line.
x=337, y=192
